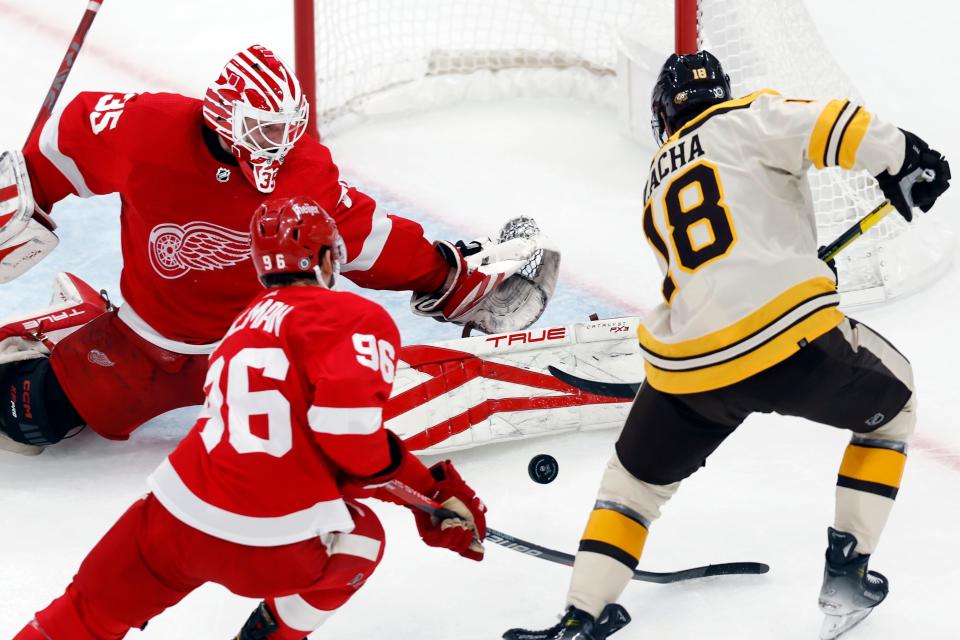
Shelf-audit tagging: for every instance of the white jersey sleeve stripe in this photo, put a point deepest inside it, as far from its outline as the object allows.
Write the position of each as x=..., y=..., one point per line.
x=351, y=544
x=297, y=613
x=50, y=148
x=338, y=421
x=373, y=245
x=321, y=518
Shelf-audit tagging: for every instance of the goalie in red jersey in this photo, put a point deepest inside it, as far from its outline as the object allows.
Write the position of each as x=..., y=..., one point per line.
x=260, y=496
x=189, y=172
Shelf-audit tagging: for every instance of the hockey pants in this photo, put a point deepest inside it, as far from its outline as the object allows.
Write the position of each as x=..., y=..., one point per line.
x=850, y=378
x=149, y=561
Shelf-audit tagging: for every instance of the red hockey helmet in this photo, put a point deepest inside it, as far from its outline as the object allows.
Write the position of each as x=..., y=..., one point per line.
x=257, y=106
x=288, y=235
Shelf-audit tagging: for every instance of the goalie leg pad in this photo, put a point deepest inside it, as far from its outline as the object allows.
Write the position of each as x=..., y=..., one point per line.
x=35, y=410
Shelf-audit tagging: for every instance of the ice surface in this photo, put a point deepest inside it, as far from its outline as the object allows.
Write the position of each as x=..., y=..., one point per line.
x=766, y=494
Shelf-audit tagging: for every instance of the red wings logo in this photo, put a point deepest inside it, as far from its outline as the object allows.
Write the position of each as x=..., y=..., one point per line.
x=200, y=246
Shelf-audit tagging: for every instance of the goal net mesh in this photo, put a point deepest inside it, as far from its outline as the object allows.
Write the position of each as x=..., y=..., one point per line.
x=374, y=56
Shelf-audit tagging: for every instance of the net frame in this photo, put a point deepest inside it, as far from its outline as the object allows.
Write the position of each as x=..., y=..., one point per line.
x=415, y=35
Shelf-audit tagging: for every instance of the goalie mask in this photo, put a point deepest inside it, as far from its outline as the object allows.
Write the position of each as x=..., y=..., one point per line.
x=291, y=236
x=257, y=106
x=686, y=87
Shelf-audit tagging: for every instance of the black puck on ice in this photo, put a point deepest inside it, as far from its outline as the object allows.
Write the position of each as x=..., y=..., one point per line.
x=543, y=468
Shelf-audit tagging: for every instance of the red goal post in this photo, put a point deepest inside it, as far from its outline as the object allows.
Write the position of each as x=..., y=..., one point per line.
x=360, y=58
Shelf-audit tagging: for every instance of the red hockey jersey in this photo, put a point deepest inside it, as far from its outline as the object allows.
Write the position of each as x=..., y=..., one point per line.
x=186, y=208
x=294, y=395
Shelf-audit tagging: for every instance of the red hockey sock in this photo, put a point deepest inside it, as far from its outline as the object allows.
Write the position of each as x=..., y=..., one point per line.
x=69, y=618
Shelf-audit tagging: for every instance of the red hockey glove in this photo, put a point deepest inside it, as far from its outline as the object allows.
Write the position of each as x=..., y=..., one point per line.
x=466, y=535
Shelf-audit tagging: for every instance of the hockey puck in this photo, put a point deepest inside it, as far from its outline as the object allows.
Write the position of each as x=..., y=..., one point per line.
x=543, y=468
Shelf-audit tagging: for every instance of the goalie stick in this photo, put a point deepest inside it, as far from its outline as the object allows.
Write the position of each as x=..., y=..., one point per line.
x=69, y=58
x=424, y=503
x=625, y=390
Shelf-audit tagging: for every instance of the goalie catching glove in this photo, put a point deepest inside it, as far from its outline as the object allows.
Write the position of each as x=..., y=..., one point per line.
x=923, y=177
x=495, y=286
x=26, y=233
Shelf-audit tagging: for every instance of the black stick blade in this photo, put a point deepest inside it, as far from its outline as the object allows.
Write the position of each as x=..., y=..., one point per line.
x=625, y=390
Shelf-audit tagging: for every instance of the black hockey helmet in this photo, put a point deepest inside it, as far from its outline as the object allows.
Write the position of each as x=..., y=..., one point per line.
x=687, y=85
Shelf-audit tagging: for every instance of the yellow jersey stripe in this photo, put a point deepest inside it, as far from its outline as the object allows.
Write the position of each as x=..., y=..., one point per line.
x=616, y=529
x=851, y=138
x=777, y=350
x=749, y=325
x=873, y=464
x=820, y=137
x=729, y=105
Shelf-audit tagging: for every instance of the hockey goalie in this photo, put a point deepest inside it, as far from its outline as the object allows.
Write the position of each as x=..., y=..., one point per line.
x=190, y=174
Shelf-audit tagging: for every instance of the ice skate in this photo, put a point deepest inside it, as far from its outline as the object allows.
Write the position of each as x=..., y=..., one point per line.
x=850, y=592
x=259, y=625
x=11, y=445
x=578, y=625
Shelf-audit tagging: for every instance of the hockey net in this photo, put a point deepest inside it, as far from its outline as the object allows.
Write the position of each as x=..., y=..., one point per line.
x=374, y=56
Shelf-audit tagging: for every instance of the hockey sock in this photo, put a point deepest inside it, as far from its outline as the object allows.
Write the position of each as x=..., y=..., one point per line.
x=867, y=485
x=609, y=552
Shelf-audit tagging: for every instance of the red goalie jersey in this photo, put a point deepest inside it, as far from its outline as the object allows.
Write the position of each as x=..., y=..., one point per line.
x=186, y=209
x=294, y=397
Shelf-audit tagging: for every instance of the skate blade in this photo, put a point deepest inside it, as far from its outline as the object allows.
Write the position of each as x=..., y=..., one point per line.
x=835, y=626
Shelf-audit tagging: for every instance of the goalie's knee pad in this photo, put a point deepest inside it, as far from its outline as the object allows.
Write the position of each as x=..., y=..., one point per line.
x=34, y=409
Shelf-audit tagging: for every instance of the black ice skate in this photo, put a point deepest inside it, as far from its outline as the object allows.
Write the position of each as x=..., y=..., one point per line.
x=578, y=625
x=259, y=625
x=849, y=591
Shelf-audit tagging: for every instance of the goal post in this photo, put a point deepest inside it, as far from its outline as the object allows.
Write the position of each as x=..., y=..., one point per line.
x=686, y=33
x=360, y=58
x=305, y=56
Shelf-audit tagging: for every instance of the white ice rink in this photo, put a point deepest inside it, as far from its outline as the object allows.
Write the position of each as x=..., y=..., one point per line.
x=766, y=495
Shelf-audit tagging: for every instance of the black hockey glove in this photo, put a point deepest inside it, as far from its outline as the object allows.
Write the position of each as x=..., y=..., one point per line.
x=923, y=178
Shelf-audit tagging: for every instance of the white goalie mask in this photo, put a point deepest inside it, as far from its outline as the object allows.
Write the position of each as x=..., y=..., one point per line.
x=258, y=107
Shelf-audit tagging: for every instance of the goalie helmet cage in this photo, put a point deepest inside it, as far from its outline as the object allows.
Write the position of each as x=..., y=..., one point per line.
x=358, y=58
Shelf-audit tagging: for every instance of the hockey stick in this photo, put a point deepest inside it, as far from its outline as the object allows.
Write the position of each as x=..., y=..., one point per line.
x=69, y=58
x=418, y=500
x=859, y=228
x=625, y=390
x=628, y=390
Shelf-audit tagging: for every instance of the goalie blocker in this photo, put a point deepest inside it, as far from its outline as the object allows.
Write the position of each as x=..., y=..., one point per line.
x=26, y=233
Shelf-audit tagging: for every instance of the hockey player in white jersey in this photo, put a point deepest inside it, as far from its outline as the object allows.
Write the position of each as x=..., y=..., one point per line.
x=749, y=323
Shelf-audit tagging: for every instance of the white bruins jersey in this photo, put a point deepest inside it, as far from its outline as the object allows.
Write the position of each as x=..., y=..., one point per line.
x=729, y=216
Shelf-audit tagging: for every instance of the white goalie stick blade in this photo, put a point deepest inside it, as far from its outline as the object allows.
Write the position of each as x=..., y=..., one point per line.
x=464, y=393
x=836, y=626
